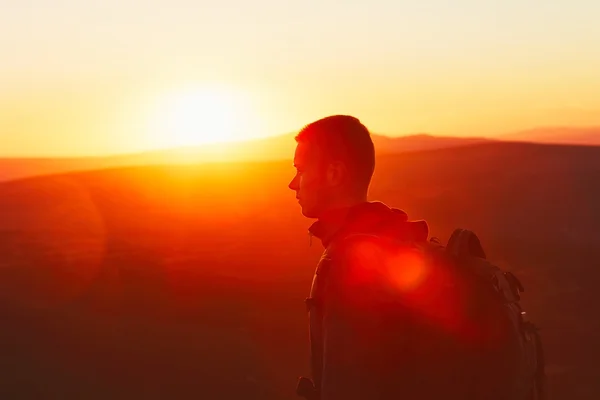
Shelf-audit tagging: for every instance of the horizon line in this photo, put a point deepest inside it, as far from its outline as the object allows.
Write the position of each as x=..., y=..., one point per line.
x=509, y=137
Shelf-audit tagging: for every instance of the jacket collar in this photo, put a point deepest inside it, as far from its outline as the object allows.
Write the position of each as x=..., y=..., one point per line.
x=347, y=218
x=329, y=224
x=367, y=217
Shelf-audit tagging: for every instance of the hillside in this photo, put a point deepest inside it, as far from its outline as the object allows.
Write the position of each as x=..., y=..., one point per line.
x=170, y=281
x=268, y=149
x=589, y=136
x=420, y=142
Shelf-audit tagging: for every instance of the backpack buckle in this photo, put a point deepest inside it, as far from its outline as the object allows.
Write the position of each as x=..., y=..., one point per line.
x=310, y=302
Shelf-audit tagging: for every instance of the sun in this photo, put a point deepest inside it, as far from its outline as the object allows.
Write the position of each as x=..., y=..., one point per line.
x=199, y=115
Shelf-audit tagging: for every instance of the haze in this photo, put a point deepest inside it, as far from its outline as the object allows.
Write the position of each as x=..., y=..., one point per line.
x=163, y=266
x=89, y=78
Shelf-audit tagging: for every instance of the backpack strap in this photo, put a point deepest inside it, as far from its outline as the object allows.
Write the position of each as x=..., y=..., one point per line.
x=465, y=243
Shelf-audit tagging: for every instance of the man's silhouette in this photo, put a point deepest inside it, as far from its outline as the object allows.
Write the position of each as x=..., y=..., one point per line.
x=394, y=315
x=351, y=356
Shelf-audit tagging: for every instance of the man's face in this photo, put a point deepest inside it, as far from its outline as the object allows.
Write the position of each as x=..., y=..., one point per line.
x=310, y=183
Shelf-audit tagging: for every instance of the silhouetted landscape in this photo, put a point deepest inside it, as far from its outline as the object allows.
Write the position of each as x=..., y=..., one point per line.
x=266, y=149
x=558, y=135
x=188, y=281
x=275, y=148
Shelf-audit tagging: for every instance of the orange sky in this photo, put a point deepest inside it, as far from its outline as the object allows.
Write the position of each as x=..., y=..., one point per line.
x=83, y=79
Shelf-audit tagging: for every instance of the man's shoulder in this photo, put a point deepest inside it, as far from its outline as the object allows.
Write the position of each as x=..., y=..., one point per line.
x=364, y=268
x=363, y=243
x=368, y=253
x=359, y=253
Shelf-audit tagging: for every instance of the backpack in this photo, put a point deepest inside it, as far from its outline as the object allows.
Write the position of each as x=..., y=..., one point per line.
x=492, y=294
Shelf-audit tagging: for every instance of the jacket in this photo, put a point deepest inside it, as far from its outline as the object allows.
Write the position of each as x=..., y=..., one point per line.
x=352, y=354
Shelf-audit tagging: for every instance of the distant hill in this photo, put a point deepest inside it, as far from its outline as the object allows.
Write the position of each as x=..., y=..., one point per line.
x=16, y=168
x=386, y=144
x=558, y=135
x=267, y=149
x=171, y=281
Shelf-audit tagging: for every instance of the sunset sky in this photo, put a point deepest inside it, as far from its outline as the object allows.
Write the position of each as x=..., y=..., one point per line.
x=113, y=76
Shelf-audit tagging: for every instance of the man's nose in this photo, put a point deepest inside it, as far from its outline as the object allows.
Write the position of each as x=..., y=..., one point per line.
x=293, y=185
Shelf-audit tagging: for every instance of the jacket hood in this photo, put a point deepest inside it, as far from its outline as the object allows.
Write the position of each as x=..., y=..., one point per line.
x=371, y=218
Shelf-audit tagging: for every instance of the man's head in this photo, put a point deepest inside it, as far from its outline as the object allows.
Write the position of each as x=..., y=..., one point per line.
x=334, y=160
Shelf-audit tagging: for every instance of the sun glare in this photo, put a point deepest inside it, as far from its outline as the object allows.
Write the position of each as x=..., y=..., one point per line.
x=201, y=116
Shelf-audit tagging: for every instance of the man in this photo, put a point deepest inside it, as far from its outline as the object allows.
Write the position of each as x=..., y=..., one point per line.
x=393, y=315
x=351, y=355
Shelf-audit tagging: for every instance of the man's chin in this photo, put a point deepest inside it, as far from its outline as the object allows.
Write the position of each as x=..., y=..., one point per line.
x=308, y=213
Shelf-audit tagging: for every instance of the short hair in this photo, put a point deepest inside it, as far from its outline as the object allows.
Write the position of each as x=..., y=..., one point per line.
x=343, y=138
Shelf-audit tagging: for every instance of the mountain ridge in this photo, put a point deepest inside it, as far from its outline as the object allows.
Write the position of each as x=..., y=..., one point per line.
x=262, y=149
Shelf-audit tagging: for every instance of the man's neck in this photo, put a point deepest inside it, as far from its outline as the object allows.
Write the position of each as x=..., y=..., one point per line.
x=341, y=206
x=331, y=220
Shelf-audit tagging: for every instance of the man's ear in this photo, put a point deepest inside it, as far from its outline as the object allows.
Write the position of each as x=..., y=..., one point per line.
x=337, y=173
